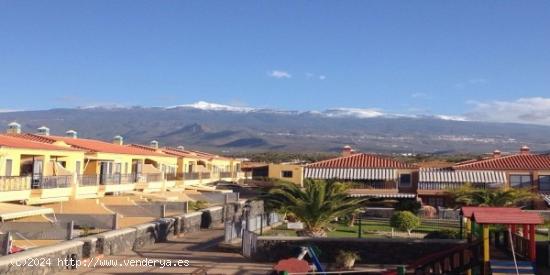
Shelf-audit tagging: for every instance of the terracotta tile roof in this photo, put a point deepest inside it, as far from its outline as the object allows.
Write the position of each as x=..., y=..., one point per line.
x=361, y=160
x=16, y=142
x=467, y=211
x=507, y=218
x=510, y=162
x=93, y=145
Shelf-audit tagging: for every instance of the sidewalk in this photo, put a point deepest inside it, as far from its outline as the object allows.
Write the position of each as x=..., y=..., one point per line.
x=199, y=248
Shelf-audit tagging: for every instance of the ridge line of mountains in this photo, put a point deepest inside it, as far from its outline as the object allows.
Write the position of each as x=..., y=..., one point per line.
x=227, y=129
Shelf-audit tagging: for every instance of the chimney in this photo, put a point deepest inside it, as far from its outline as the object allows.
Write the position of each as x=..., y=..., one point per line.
x=118, y=140
x=524, y=150
x=71, y=134
x=14, y=128
x=496, y=154
x=154, y=144
x=180, y=147
x=44, y=131
x=347, y=151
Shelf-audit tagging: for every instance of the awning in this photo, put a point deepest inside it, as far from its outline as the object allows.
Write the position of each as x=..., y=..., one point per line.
x=350, y=173
x=429, y=175
x=10, y=211
x=389, y=195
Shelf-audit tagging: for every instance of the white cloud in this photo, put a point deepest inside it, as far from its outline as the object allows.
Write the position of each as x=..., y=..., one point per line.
x=534, y=110
x=322, y=77
x=279, y=74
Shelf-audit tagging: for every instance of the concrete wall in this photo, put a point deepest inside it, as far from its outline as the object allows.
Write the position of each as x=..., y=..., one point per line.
x=36, y=230
x=101, y=221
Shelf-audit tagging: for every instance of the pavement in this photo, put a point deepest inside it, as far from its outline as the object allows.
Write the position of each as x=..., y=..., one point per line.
x=199, y=249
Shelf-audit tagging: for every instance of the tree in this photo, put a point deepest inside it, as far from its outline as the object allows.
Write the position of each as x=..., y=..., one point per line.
x=315, y=205
x=405, y=221
x=467, y=195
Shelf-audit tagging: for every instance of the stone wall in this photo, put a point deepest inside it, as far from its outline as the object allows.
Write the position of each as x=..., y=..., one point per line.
x=191, y=222
x=50, y=259
x=372, y=251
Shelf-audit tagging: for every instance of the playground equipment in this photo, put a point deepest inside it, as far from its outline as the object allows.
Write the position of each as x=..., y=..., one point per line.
x=521, y=243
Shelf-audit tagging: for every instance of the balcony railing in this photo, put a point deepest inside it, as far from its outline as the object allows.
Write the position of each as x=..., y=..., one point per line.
x=50, y=182
x=191, y=176
x=225, y=174
x=170, y=176
x=205, y=175
x=115, y=179
x=153, y=177
x=374, y=185
x=454, y=185
x=15, y=183
x=88, y=180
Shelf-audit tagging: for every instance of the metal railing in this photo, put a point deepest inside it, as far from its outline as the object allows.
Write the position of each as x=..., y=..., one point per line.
x=88, y=180
x=453, y=185
x=50, y=182
x=170, y=176
x=153, y=177
x=374, y=185
x=191, y=176
x=205, y=175
x=115, y=179
x=225, y=174
x=14, y=183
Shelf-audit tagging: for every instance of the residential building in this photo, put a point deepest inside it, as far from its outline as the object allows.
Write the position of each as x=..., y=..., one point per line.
x=519, y=170
x=370, y=174
x=112, y=167
x=35, y=172
x=290, y=172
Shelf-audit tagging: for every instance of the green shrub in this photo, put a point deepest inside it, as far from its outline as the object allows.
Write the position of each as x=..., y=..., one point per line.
x=408, y=205
x=197, y=205
x=405, y=221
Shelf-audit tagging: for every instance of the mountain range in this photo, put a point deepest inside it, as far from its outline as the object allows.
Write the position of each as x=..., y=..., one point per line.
x=223, y=128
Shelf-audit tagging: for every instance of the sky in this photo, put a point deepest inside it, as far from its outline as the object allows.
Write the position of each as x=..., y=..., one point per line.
x=485, y=60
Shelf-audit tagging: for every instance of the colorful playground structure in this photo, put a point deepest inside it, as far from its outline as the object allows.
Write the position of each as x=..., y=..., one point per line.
x=498, y=240
x=518, y=240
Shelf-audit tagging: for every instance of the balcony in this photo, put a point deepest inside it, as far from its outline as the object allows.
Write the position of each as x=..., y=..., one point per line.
x=88, y=180
x=205, y=175
x=378, y=185
x=432, y=188
x=15, y=183
x=225, y=174
x=153, y=177
x=191, y=176
x=51, y=182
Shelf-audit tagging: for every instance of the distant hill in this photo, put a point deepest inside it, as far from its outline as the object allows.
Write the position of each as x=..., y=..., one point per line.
x=222, y=128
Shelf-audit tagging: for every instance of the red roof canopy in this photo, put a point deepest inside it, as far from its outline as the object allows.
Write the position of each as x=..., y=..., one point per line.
x=361, y=160
x=507, y=218
x=467, y=211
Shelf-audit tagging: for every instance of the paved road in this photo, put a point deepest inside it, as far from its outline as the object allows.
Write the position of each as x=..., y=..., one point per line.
x=199, y=248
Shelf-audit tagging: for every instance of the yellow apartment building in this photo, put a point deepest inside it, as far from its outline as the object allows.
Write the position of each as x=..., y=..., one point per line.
x=113, y=167
x=33, y=172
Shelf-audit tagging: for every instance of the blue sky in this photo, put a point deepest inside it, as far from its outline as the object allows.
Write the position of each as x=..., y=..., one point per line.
x=433, y=57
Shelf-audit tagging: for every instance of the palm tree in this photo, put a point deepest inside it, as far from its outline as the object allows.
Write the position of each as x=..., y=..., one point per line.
x=467, y=195
x=315, y=205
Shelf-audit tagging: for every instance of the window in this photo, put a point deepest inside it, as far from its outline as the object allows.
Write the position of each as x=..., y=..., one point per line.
x=544, y=182
x=9, y=164
x=286, y=174
x=405, y=180
x=519, y=181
